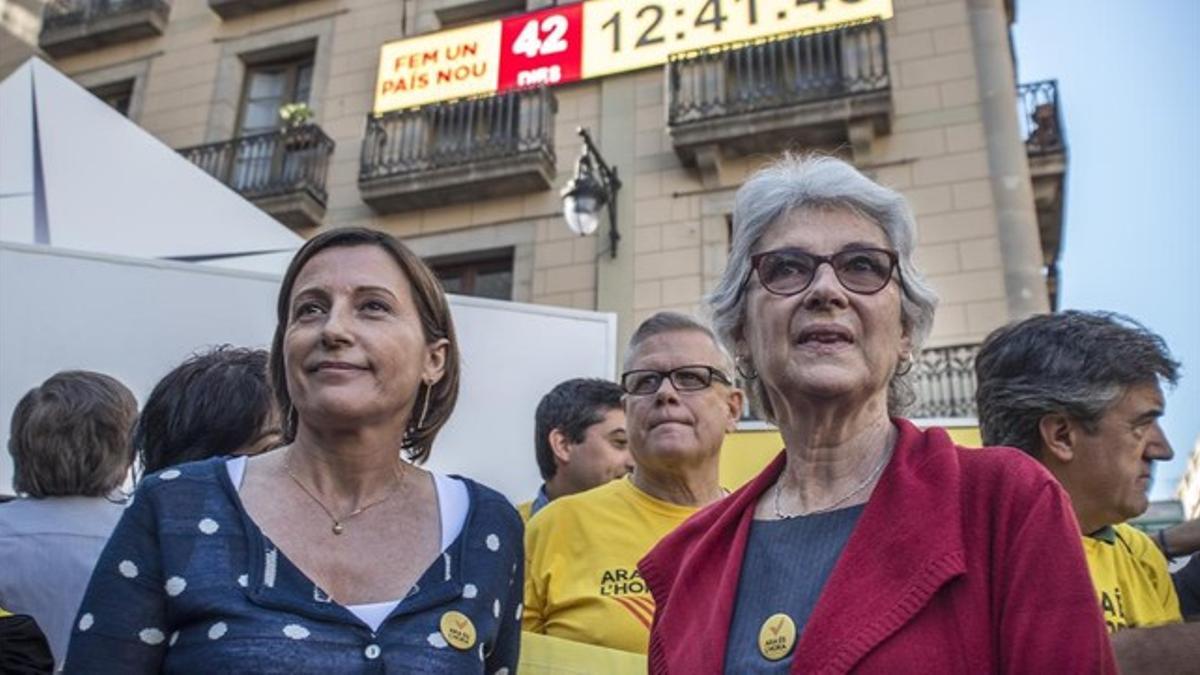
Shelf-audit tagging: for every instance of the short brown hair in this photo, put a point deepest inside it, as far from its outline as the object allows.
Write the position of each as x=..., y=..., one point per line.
x=436, y=324
x=70, y=436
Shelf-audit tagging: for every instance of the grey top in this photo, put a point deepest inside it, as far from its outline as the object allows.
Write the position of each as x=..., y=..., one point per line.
x=786, y=565
x=48, y=548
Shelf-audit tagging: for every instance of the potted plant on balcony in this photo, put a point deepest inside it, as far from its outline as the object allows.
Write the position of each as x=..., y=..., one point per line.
x=295, y=114
x=297, y=138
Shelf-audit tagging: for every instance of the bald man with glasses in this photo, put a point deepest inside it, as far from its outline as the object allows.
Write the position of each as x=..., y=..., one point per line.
x=581, y=578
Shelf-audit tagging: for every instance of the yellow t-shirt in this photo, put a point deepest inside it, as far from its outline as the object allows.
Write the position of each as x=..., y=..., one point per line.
x=1131, y=579
x=523, y=510
x=581, y=554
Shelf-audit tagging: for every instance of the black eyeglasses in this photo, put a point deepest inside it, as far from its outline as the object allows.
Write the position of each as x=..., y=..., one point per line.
x=683, y=378
x=788, y=271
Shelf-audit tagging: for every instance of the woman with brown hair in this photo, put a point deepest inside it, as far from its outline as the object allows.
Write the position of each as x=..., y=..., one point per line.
x=332, y=553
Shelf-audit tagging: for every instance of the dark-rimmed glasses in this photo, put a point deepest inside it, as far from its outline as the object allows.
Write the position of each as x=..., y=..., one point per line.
x=683, y=378
x=788, y=271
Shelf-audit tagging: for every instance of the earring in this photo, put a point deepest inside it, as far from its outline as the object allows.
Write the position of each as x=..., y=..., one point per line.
x=424, y=406
x=905, y=365
x=745, y=369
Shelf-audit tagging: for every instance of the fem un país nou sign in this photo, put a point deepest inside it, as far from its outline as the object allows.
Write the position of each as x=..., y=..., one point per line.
x=438, y=67
x=584, y=40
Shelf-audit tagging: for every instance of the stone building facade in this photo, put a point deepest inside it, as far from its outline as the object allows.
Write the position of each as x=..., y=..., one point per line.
x=938, y=114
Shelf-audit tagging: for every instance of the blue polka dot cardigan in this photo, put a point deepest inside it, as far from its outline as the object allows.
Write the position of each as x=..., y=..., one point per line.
x=188, y=583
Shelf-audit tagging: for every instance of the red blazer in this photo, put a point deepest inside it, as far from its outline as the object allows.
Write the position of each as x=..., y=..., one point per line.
x=963, y=561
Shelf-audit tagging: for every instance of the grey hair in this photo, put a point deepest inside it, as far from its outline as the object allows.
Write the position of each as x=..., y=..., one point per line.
x=670, y=322
x=797, y=182
x=1073, y=363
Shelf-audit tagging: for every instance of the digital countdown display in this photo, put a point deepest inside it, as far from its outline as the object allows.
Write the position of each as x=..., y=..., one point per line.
x=585, y=40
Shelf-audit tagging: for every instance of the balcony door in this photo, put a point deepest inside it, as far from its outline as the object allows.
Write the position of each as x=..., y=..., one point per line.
x=260, y=156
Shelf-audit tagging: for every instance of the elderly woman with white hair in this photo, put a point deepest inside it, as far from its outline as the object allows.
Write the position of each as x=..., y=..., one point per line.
x=868, y=545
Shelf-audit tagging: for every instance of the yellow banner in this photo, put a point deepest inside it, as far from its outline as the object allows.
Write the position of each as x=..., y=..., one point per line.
x=438, y=67
x=563, y=44
x=545, y=655
x=745, y=453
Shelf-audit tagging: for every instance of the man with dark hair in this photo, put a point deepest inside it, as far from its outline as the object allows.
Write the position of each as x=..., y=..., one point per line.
x=1081, y=392
x=69, y=441
x=579, y=440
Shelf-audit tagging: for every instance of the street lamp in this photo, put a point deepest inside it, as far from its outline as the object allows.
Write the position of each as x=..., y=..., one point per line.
x=595, y=185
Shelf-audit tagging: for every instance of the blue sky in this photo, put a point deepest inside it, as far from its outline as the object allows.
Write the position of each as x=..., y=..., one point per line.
x=1129, y=85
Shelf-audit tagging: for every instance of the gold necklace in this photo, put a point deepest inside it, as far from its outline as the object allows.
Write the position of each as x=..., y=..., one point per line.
x=838, y=502
x=339, y=523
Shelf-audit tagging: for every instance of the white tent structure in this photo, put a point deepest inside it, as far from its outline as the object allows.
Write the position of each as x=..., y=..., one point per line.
x=76, y=174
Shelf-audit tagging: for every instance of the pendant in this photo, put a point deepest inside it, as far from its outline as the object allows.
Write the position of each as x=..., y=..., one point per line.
x=337, y=527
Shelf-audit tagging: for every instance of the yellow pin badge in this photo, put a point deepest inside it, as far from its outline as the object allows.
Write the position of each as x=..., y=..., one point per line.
x=777, y=637
x=458, y=630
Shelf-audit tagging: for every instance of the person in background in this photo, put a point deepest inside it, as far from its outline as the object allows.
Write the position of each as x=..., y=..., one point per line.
x=581, y=580
x=1081, y=392
x=1183, y=540
x=579, y=440
x=69, y=441
x=335, y=553
x=868, y=545
x=215, y=403
x=23, y=646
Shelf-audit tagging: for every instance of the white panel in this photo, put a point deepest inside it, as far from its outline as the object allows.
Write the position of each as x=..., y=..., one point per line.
x=131, y=319
x=16, y=132
x=267, y=263
x=514, y=354
x=111, y=187
x=137, y=319
x=16, y=217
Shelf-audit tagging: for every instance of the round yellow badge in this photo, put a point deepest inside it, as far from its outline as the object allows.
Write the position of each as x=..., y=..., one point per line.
x=460, y=632
x=777, y=637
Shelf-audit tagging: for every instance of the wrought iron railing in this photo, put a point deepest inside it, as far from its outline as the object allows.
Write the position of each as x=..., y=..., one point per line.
x=943, y=379
x=802, y=67
x=1041, y=118
x=459, y=133
x=65, y=13
x=275, y=163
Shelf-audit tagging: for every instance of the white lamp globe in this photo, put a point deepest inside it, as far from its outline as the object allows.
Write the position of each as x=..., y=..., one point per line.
x=580, y=211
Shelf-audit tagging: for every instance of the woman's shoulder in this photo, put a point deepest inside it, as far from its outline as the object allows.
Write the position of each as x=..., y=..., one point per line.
x=995, y=467
x=200, y=471
x=1003, y=468
x=178, y=487
x=489, y=504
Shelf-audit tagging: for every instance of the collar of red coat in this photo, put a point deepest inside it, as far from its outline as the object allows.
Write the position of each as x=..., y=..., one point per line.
x=881, y=580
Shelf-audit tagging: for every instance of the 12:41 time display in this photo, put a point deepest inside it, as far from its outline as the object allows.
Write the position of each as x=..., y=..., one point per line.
x=623, y=35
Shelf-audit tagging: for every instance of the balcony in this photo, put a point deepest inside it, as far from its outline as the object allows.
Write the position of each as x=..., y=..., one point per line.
x=811, y=89
x=459, y=151
x=282, y=172
x=944, y=381
x=74, y=26
x=232, y=9
x=1046, y=146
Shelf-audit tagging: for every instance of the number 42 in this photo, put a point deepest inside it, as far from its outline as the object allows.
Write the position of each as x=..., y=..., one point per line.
x=530, y=42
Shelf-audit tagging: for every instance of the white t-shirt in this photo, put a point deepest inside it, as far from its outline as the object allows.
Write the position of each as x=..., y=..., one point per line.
x=453, y=503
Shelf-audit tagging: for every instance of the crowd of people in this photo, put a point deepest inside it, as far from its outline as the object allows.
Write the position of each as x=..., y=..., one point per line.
x=282, y=520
